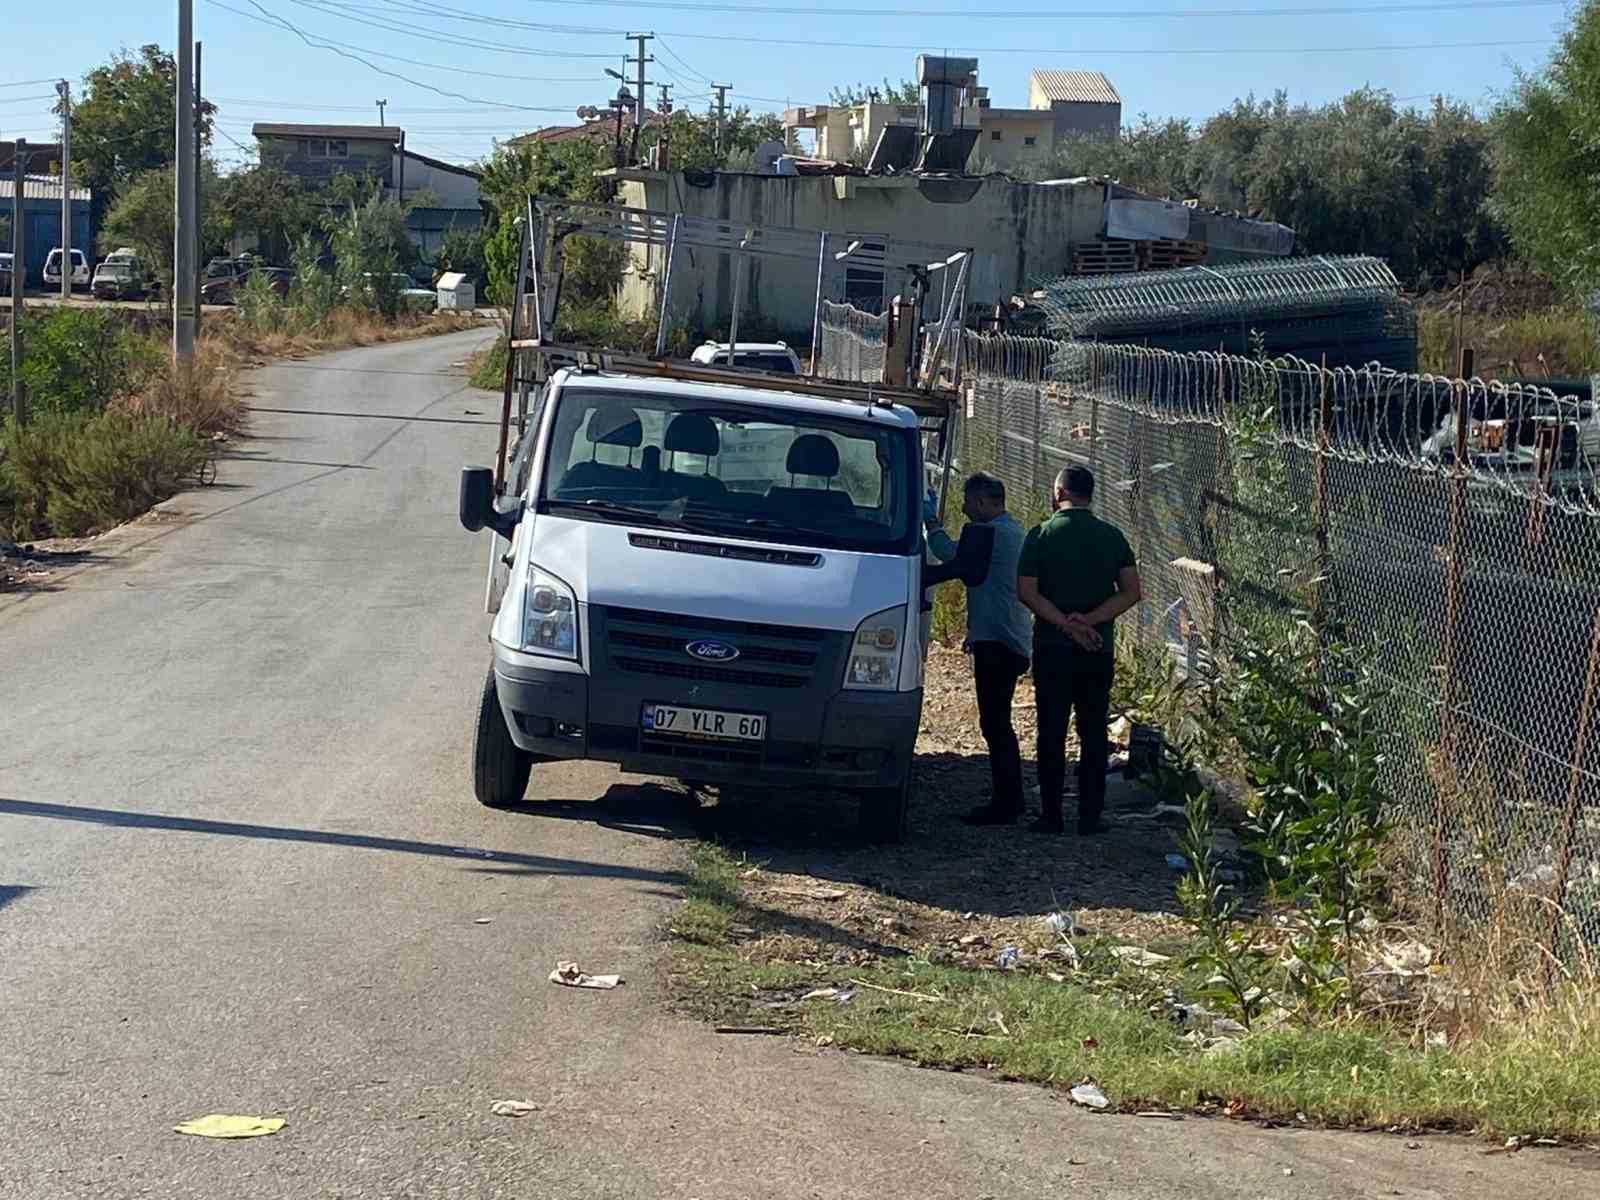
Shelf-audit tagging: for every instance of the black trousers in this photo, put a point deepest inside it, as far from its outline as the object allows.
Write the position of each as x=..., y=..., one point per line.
x=996, y=669
x=1068, y=681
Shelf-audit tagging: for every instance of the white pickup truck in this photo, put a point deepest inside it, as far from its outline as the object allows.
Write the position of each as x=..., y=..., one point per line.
x=713, y=576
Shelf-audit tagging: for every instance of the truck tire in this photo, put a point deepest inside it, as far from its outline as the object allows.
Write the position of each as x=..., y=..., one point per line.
x=499, y=770
x=883, y=812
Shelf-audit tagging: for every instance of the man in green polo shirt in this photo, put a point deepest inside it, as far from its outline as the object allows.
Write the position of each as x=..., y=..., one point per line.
x=1077, y=575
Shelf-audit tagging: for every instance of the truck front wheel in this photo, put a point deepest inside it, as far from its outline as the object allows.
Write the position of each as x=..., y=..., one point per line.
x=883, y=811
x=499, y=770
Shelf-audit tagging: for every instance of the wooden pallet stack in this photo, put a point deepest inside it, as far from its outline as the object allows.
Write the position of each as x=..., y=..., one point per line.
x=1169, y=255
x=1105, y=256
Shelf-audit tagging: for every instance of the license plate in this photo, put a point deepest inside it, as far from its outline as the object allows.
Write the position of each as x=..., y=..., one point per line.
x=703, y=723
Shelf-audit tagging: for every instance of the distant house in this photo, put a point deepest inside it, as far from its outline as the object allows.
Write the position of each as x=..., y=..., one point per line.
x=601, y=129
x=1060, y=104
x=317, y=154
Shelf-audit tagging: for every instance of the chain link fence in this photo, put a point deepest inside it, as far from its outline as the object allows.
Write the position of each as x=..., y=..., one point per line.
x=1462, y=556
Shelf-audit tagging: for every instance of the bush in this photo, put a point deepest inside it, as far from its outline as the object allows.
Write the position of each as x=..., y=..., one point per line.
x=77, y=360
x=73, y=473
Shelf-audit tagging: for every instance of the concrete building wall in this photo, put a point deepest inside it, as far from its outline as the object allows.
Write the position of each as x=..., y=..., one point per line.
x=449, y=189
x=1095, y=120
x=1012, y=137
x=1019, y=232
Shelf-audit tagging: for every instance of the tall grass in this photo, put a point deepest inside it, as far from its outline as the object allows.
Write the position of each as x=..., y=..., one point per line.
x=1556, y=342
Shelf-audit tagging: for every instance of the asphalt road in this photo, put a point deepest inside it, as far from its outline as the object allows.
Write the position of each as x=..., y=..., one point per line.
x=241, y=871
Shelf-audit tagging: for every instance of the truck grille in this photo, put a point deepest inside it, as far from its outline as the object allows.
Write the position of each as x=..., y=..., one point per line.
x=770, y=656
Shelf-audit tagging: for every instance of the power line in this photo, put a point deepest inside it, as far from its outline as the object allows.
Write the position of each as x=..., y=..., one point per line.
x=458, y=14
x=491, y=106
x=1067, y=14
x=27, y=83
x=317, y=44
x=342, y=11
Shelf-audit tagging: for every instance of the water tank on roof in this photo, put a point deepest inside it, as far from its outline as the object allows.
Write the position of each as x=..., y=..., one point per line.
x=943, y=80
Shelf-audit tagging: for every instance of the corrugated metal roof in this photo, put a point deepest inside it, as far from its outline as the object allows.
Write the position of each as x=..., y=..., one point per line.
x=41, y=187
x=371, y=133
x=1084, y=87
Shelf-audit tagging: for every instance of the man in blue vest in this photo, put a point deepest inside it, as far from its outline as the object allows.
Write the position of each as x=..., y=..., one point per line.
x=1077, y=574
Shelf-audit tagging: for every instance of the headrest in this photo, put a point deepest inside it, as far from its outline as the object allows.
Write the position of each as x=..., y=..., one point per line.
x=614, y=424
x=813, y=454
x=692, y=433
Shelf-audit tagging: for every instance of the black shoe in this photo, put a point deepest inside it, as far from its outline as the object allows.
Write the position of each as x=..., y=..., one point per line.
x=988, y=814
x=1047, y=825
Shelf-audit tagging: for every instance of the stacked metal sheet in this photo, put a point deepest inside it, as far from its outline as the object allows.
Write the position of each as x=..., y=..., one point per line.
x=1350, y=309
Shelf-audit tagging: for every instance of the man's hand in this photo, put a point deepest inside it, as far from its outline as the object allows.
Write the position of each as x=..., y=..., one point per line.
x=930, y=508
x=1080, y=631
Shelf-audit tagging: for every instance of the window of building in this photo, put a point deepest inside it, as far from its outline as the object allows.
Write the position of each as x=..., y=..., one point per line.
x=339, y=148
x=1030, y=141
x=994, y=135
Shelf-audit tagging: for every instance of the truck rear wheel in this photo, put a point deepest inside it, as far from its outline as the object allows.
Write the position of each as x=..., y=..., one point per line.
x=883, y=812
x=499, y=770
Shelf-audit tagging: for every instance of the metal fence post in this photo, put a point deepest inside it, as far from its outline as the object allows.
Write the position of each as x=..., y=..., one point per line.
x=1038, y=434
x=1452, y=622
x=1569, y=820
x=1319, y=502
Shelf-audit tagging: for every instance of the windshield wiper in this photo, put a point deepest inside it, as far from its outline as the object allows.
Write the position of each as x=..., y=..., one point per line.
x=670, y=514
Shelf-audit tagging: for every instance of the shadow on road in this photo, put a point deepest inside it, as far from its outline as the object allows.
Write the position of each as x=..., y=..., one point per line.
x=530, y=863
x=12, y=891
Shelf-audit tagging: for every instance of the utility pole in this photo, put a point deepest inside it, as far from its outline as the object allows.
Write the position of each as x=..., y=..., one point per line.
x=382, y=104
x=639, y=60
x=64, y=90
x=664, y=107
x=199, y=216
x=183, y=255
x=722, y=90
x=19, y=271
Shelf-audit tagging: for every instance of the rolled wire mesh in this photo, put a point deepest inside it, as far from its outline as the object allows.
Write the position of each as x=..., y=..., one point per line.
x=1472, y=582
x=852, y=343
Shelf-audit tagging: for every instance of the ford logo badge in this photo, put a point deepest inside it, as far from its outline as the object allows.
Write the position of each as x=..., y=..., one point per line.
x=707, y=650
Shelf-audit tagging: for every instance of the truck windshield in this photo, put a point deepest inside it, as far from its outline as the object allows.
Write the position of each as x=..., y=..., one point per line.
x=757, y=473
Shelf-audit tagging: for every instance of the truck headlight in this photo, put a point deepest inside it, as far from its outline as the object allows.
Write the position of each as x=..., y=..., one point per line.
x=874, y=663
x=549, y=616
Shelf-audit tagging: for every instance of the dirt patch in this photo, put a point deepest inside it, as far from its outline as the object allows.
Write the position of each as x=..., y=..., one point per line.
x=957, y=894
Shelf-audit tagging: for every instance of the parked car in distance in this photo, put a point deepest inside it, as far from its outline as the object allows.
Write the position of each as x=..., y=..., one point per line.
x=120, y=277
x=755, y=356
x=52, y=269
x=412, y=297
x=5, y=274
x=222, y=289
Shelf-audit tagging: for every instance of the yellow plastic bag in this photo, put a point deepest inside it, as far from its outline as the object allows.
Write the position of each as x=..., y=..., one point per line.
x=220, y=1125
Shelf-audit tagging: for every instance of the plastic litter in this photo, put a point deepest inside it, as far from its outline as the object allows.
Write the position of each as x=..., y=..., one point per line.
x=513, y=1108
x=1177, y=862
x=1138, y=956
x=1090, y=1096
x=222, y=1125
x=1008, y=958
x=1059, y=923
x=569, y=975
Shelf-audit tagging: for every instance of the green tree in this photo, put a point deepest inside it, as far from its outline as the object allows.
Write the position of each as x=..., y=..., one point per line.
x=1548, y=185
x=462, y=249
x=142, y=217
x=1153, y=156
x=692, y=138
x=370, y=245
x=904, y=92
x=565, y=170
x=268, y=203
x=123, y=125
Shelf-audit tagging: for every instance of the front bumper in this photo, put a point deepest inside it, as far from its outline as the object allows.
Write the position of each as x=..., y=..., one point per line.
x=858, y=740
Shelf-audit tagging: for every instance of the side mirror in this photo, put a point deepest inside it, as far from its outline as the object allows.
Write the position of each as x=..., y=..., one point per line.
x=971, y=563
x=476, y=506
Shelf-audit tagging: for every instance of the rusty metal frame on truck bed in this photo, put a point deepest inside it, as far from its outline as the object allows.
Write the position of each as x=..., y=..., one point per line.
x=534, y=351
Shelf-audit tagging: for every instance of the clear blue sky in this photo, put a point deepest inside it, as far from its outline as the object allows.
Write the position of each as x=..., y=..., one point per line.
x=547, y=58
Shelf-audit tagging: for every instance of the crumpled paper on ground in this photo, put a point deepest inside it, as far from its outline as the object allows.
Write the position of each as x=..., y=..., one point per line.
x=568, y=974
x=221, y=1125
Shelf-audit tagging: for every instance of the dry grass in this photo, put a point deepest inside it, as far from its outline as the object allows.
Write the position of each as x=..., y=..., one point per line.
x=1556, y=342
x=204, y=398
x=342, y=328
